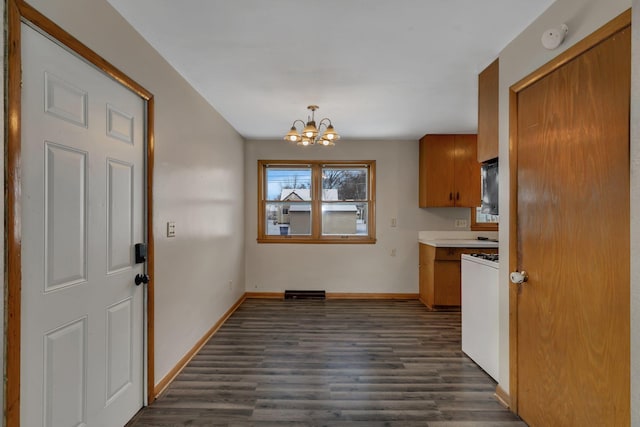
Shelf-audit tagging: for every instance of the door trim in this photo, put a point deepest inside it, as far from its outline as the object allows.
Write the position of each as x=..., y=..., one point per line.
x=18, y=11
x=617, y=24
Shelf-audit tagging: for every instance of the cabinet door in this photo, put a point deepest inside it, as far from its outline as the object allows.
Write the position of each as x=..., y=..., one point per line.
x=426, y=274
x=488, y=113
x=447, y=279
x=466, y=172
x=437, y=171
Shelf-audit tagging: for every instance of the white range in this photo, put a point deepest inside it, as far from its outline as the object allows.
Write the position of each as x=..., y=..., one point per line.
x=480, y=338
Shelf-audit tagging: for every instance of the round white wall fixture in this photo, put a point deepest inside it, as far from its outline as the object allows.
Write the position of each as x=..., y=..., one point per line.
x=554, y=37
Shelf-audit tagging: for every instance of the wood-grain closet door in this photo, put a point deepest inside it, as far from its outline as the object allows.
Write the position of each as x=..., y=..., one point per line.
x=573, y=240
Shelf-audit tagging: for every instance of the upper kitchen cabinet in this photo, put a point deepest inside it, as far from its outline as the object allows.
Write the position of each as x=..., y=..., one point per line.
x=488, y=113
x=449, y=171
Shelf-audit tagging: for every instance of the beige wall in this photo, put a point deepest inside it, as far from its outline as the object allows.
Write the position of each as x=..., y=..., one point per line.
x=347, y=268
x=199, y=182
x=522, y=56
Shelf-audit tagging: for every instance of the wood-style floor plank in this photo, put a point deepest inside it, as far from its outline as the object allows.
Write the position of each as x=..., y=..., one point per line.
x=332, y=363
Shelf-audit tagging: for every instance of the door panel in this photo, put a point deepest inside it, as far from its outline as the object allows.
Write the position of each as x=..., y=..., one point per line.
x=65, y=212
x=120, y=333
x=120, y=215
x=65, y=373
x=64, y=100
x=82, y=191
x=573, y=240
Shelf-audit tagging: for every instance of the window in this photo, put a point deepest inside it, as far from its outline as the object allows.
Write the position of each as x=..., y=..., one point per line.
x=483, y=222
x=489, y=178
x=316, y=202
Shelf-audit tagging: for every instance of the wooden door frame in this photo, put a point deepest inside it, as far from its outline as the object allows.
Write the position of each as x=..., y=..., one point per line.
x=617, y=24
x=17, y=12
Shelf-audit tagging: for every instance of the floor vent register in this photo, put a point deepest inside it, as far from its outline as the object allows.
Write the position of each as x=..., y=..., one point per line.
x=320, y=295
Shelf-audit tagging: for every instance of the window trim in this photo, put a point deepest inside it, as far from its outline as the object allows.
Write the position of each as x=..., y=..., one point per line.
x=316, y=203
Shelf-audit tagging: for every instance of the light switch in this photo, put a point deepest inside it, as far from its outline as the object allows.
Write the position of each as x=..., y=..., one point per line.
x=171, y=229
x=394, y=222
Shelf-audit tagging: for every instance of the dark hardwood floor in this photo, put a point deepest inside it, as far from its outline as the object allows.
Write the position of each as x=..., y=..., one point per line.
x=332, y=363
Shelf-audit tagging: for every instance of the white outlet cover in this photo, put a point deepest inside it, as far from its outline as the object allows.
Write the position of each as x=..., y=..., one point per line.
x=171, y=229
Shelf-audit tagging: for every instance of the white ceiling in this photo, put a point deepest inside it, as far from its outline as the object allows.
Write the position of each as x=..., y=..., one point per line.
x=377, y=68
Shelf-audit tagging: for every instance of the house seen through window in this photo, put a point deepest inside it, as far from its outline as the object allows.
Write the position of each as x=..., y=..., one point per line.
x=316, y=201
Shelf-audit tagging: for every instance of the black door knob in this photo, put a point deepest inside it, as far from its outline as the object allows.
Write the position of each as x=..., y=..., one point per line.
x=141, y=278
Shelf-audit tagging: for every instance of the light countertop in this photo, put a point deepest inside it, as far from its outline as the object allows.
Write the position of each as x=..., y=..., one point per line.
x=459, y=243
x=458, y=239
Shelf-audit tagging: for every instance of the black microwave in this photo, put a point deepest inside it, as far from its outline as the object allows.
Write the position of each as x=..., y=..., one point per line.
x=489, y=187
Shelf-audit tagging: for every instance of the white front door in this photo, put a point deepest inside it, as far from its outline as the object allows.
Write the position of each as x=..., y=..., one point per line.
x=82, y=212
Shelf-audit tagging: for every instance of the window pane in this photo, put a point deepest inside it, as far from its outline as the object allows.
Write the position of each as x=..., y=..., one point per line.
x=482, y=218
x=291, y=184
x=287, y=187
x=288, y=219
x=344, y=184
x=345, y=218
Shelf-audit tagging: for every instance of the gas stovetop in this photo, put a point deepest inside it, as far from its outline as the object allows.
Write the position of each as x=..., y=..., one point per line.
x=488, y=257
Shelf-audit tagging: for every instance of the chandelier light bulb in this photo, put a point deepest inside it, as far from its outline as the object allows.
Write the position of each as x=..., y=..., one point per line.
x=292, y=135
x=330, y=133
x=328, y=143
x=310, y=129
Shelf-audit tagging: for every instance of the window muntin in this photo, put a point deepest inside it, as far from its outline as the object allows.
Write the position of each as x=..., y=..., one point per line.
x=311, y=201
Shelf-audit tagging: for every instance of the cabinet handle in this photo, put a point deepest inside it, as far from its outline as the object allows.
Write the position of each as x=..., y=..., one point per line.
x=458, y=195
x=450, y=196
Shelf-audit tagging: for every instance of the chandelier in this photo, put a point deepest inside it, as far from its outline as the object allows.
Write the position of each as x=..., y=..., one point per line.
x=310, y=133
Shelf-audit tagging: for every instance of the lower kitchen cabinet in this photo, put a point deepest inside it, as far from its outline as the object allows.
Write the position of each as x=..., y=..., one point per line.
x=440, y=278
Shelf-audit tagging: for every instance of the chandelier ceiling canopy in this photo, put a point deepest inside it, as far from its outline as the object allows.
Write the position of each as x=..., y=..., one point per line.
x=312, y=134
